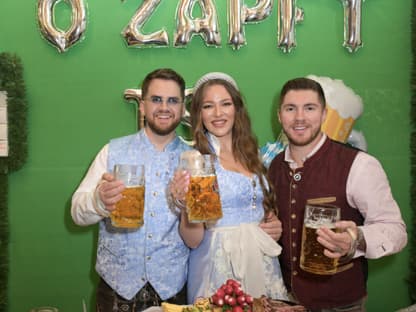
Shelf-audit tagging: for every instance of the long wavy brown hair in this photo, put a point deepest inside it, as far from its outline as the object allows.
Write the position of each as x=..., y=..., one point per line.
x=244, y=143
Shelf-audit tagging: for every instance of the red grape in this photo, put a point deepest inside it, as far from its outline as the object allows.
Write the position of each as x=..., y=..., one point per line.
x=220, y=293
x=228, y=290
x=219, y=302
x=232, y=301
x=238, y=291
x=249, y=299
x=241, y=299
x=238, y=309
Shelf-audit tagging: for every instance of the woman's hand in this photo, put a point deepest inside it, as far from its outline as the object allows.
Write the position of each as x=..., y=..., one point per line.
x=272, y=226
x=191, y=233
x=178, y=187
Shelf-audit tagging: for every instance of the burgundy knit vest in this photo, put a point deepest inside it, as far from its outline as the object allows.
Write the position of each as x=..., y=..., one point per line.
x=324, y=177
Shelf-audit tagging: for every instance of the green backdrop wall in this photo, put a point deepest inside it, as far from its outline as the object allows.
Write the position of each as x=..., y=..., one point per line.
x=75, y=105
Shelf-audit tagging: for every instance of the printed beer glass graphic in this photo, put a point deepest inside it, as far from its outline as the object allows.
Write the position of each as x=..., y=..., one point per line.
x=312, y=258
x=129, y=210
x=202, y=199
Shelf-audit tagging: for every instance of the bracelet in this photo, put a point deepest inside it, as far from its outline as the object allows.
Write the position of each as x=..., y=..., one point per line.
x=354, y=244
x=179, y=203
x=175, y=205
x=361, y=243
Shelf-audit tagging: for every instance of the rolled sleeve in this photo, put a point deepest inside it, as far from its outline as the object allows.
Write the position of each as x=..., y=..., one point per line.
x=87, y=207
x=369, y=191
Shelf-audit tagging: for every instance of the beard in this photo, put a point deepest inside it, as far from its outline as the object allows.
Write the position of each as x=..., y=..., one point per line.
x=166, y=130
x=303, y=141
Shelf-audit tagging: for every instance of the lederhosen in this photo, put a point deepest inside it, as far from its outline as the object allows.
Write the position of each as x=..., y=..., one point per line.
x=109, y=301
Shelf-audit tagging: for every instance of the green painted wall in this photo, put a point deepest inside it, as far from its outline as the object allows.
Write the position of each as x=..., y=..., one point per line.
x=76, y=105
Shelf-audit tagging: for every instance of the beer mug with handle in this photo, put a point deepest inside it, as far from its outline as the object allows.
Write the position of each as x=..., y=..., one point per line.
x=312, y=258
x=202, y=199
x=130, y=209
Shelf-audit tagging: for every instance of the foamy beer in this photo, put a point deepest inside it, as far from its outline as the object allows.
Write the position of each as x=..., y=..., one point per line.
x=312, y=258
x=130, y=209
x=336, y=126
x=343, y=105
x=202, y=199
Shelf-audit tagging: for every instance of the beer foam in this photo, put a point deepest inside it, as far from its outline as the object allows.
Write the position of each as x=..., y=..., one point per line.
x=191, y=154
x=192, y=160
x=319, y=224
x=340, y=97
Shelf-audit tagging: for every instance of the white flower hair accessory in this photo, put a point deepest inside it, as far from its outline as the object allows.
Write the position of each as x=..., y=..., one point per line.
x=212, y=76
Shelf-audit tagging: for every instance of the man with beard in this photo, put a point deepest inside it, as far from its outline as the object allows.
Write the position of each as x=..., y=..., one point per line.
x=144, y=267
x=316, y=169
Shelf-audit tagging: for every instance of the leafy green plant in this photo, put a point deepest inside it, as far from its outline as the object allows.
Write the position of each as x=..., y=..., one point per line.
x=11, y=81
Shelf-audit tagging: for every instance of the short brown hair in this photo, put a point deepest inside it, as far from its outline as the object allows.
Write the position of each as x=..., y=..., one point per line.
x=165, y=74
x=303, y=83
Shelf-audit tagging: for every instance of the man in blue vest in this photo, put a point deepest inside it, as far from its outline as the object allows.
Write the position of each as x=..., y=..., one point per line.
x=315, y=169
x=139, y=268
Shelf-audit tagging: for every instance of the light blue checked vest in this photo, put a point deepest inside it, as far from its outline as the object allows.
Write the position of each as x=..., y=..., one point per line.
x=155, y=253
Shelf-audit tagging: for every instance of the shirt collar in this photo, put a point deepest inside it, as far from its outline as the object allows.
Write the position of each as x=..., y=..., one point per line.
x=171, y=146
x=290, y=160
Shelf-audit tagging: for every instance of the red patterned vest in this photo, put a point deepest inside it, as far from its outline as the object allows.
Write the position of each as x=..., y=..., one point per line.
x=323, y=177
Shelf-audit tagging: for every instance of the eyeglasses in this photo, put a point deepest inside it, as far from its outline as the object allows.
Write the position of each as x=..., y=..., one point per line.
x=158, y=100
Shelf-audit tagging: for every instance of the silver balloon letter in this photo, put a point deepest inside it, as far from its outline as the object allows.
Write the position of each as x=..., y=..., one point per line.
x=62, y=40
x=207, y=26
x=132, y=33
x=239, y=14
x=288, y=16
x=352, y=24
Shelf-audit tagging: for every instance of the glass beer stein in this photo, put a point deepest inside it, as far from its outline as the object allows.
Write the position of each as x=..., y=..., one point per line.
x=312, y=258
x=202, y=199
x=130, y=209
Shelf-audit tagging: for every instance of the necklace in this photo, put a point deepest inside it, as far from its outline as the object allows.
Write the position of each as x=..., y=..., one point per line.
x=254, y=198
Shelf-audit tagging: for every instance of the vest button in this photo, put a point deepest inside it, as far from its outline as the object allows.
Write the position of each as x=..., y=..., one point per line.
x=148, y=258
x=293, y=216
x=294, y=259
x=293, y=230
x=293, y=201
x=294, y=245
x=295, y=273
x=294, y=186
